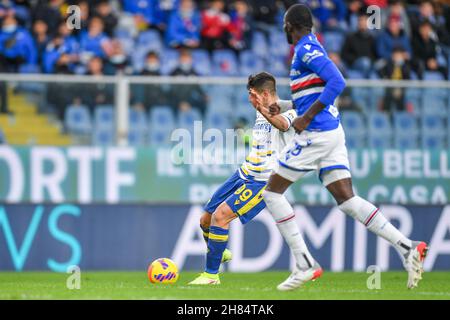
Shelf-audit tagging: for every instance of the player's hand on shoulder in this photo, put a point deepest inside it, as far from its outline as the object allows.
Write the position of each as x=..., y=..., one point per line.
x=300, y=123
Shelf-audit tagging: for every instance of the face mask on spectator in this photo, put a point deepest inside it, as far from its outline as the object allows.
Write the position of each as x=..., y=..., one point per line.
x=152, y=66
x=185, y=66
x=186, y=14
x=118, y=59
x=10, y=28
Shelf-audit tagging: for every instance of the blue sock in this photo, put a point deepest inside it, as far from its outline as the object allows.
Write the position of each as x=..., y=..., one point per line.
x=217, y=242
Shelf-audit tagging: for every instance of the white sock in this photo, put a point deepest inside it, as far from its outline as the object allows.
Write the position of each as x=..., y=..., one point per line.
x=373, y=219
x=283, y=213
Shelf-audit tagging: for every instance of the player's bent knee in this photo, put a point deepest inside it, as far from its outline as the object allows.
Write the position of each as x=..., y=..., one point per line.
x=205, y=220
x=222, y=216
x=279, y=207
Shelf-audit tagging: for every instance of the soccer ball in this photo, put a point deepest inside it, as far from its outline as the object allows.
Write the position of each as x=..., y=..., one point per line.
x=163, y=270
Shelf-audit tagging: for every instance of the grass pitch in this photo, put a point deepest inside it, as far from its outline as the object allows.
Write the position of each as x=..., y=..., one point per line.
x=253, y=286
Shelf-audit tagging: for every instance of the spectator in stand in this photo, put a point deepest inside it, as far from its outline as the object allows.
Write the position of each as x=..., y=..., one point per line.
x=94, y=42
x=142, y=11
x=17, y=46
x=184, y=26
x=240, y=26
x=189, y=94
x=41, y=39
x=380, y=3
x=426, y=50
x=264, y=14
x=397, y=10
x=162, y=12
x=104, y=10
x=50, y=12
x=358, y=51
x=98, y=93
x=329, y=13
x=438, y=22
x=117, y=62
x=392, y=37
x=397, y=68
x=355, y=9
x=144, y=95
x=215, y=24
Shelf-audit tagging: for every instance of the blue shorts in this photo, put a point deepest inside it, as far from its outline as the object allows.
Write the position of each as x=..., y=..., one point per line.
x=243, y=196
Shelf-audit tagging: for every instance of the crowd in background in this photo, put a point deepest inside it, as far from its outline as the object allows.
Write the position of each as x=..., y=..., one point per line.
x=35, y=37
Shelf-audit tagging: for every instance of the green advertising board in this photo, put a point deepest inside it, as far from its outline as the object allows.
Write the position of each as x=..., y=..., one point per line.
x=143, y=175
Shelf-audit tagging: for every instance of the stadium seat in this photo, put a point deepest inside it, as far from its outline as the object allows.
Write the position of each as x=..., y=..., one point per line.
x=224, y=63
x=405, y=142
x=278, y=44
x=104, y=118
x=406, y=130
x=103, y=137
x=278, y=67
x=355, y=128
x=434, y=100
x=431, y=141
x=260, y=47
x=246, y=112
x=158, y=137
x=151, y=40
x=202, y=63
x=249, y=63
x=217, y=120
x=186, y=119
x=77, y=120
x=413, y=96
x=169, y=61
x=136, y=136
x=137, y=119
x=432, y=125
x=380, y=130
x=161, y=116
x=333, y=41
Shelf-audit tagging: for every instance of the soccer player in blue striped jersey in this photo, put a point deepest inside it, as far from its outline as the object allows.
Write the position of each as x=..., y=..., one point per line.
x=241, y=195
x=319, y=145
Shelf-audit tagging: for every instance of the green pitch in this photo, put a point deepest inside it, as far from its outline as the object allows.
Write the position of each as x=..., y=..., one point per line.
x=254, y=286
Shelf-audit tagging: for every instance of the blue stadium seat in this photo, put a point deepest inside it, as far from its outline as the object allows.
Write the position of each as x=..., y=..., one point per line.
x=405, y=124
x=77, y=120
x=333, y=41
x=158, y=137
x=222, y=104
x=380, y=130
x=405, y=142
x=278, y=44
x=432, y=125
x=260, y=47
x=413, y=96
x=150, y=39
x=186, y=119
x=434, y=101
x=104, y=117
x=136, y=136
x=137, y=119
x=224, y=63
x=355, y=129
x=278, y=67
x=362, y=97
x=374, y=97
x=103, y=137
x=431, y=141
x=169, y=61
x=217, y=120
x=249, y=63
x=161, y=116
x=202, y=63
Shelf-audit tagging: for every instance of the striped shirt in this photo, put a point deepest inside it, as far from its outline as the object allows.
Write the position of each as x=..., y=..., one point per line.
x=311, y=72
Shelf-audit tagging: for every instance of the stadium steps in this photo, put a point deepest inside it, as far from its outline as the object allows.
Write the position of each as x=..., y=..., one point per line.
x=26, y=126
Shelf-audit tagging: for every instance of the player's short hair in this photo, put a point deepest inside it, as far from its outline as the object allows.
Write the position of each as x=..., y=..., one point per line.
x=299, y=15
x=262, y=81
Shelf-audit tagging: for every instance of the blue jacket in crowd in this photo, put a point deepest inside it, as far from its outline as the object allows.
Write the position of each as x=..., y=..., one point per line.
x=386, y=43
x=181, y=28
x=18, y=44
